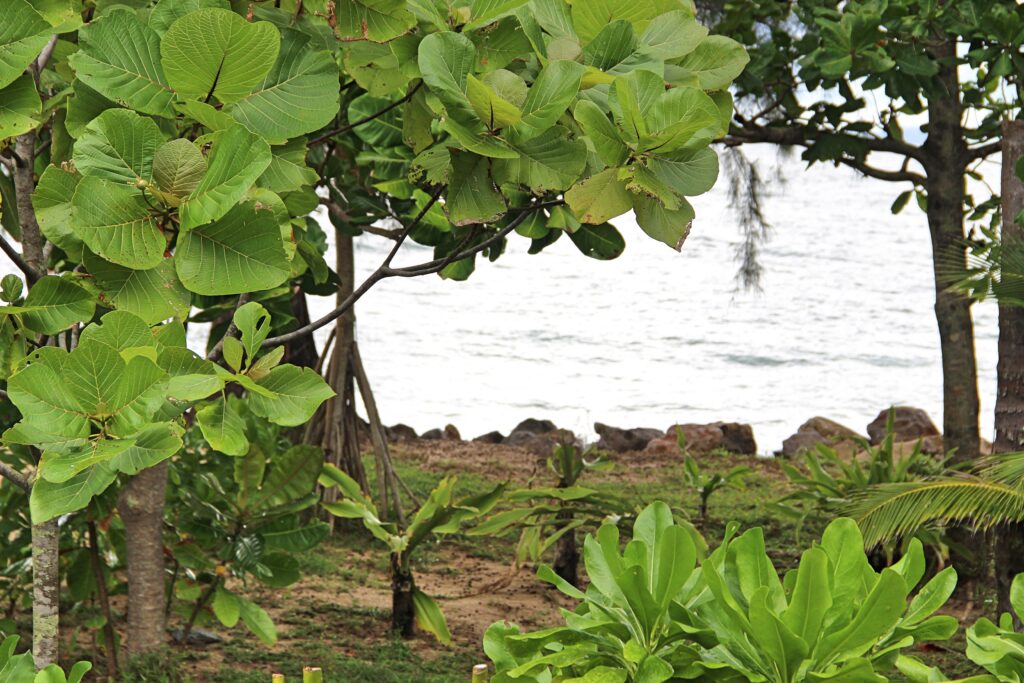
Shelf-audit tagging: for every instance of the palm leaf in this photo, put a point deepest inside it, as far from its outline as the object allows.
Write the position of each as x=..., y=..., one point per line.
x=892, y=511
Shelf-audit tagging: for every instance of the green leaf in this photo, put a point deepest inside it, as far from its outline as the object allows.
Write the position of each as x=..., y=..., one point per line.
x=154, y=294
x=472, y=197
x=297, y=393
x=674, y=34
x=223, y=428
x=376, y=20
x=167, y=12
x=551, y=161
x=602, y=242
x=217, y=53
x=49, y=500
x=52, y=204
x=716, y=62
x=23, y=35
x=191, y=377
x=83, y=107
x=178, y=167
x=298, y=96
x=384, y=130
x=226, y=607
x=548, y=98
x=811, y=598
x=258, y=621
x=62, y=462
x=490, y=107
x=669, y=226
x=55, y=304
x=236, y=161
x=290, y=476
x=599, y=198
x=241, y=252
x=153, y=445
x=122, y=332
x=119, y=146
x=19, y=107
x=591, y=16
x=114, y=221
x=446, y=59
x=253, y=323
x=601, y=132
x=689, y=173
x=483, y=12
x=118, y=57
x=288, y=171
x=429, y=616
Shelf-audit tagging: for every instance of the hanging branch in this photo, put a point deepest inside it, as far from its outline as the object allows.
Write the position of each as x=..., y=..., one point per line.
x=15, y=477
x=16, y=258
x=366, y=119
x=385, y=270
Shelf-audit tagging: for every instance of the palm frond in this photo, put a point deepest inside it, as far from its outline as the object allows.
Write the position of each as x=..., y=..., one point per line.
x=1005, y=468
x=892, y=511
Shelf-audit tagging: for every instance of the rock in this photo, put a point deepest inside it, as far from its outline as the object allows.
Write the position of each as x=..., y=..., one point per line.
x=490, y=437
x=821, y=430
x=451, y=433
x=401, y=432
x=432, y=435
x=197, y=636
x=529, y=427
x=622, y=440
x=699, y=438
x=930, y=445
x=543, y=444
x=737, y=438
x=665, y=445
x=910, y=424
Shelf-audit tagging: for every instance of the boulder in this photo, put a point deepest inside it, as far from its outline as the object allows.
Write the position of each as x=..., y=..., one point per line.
x=622, y=440
x=820, y=430
x=543, y=444
x=665, y=445
x=699, y=438
x=451, y=433
x=432, y=435
x=400, y=432
x=527, y=428
x=737, y=438
x=490, y=437
x=909, y=424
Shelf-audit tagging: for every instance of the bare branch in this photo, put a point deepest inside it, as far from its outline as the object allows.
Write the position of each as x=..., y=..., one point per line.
x=15, y=477
x=355, y=124
x=805, y=137
x=983, y=151
x=16, y=258
x=335, y=210
x=882, y=174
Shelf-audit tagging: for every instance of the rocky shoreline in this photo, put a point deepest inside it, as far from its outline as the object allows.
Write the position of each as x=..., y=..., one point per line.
x=911, y=426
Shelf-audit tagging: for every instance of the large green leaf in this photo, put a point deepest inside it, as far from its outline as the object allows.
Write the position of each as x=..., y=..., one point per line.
x=114, y=221
x=19, y=107
x=290, y=476
x=601, y=132
x=23, y=34
x=552, y=161
x=589, y=17
x=178, y=167
x=429, y=616
x=54, y=304
x=298, y=96
x=671, y=226
x=296, y=394
x=167, y=12
x=153, y=445
x=52, y=204
x=689, y=173
x=153, y=294
x=241, y=252
x=118, y=145
x=49, y=500
x=376, y=20
x=673, y=35
x=472, y=196
x=258, y=621
x=217, y=53
x=602, y=242
x=223, y=428
x=548, y=98
x=446, y=60
x=288, y=171
x=237, y=160
x=600, y=197
x=483, y=12
x=715, y=62
x=118, y=57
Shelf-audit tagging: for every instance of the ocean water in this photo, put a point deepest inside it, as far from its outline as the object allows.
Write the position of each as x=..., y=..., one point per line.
x=843, y=326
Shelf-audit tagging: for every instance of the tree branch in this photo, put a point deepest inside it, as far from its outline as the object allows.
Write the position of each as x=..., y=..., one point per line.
x=218, y=348
x=366, y=119
x=882, y=174
x=335, y=210
x=15, y=477
x=16, y=258
x=385, y=270
x=983, y=151
x=805, y=137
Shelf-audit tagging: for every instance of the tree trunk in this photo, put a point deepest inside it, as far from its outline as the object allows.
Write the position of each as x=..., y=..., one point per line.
x=403, y=613
x=142, y=510
x=946, y=154
x=1009, y=419
x=945, y=163
x=567, y=558
x=45, y=593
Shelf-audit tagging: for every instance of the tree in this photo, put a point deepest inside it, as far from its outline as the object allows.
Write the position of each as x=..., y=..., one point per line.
x=165, y=160
x=842, y=79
